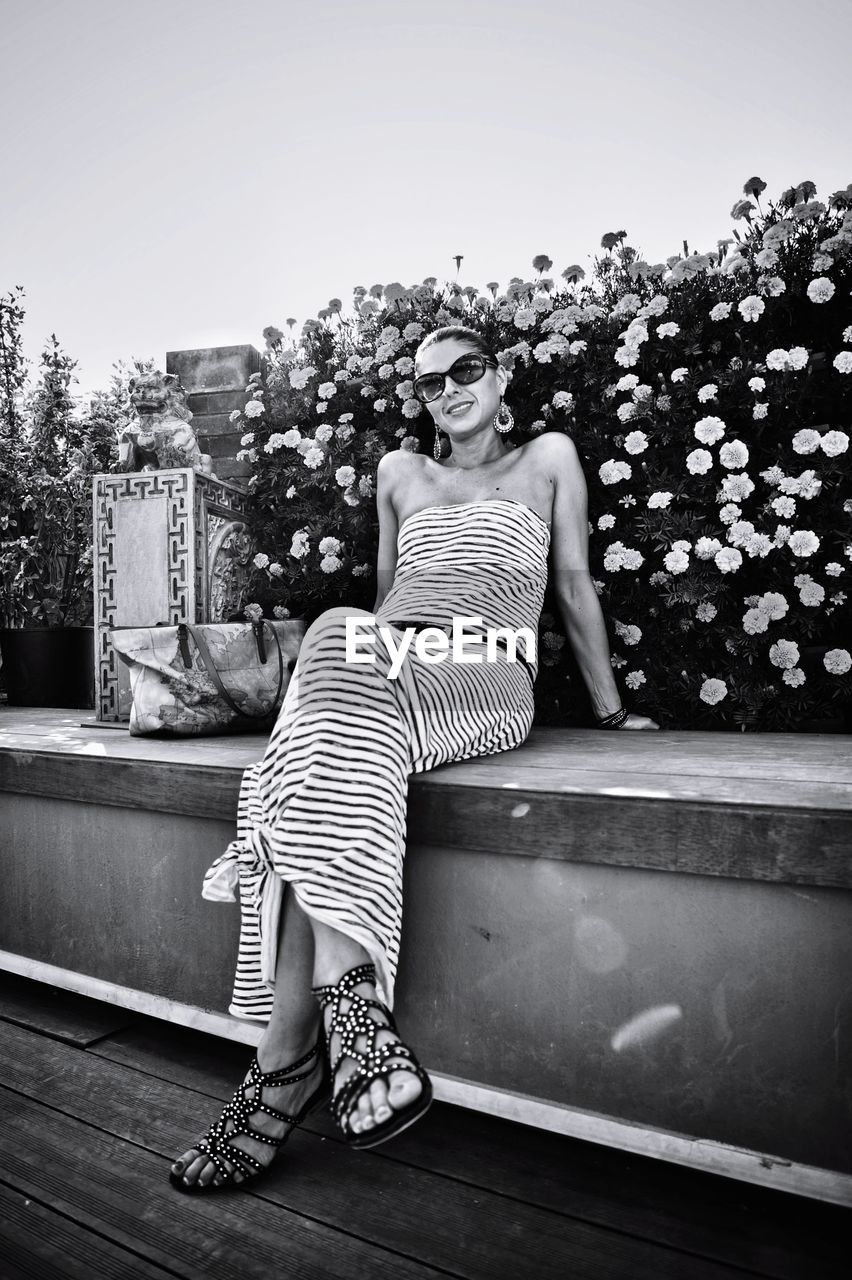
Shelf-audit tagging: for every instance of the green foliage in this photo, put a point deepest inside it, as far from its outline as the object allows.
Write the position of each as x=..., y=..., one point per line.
x=49, y=453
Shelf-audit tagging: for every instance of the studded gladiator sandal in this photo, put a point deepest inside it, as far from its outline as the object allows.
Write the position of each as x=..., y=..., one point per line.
x=351, y=1018
x=217, y=1143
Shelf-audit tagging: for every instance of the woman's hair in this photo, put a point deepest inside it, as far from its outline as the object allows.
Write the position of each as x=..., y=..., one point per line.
x=462, y=334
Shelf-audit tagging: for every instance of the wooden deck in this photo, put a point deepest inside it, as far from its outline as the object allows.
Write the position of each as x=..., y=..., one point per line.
x=96, y=1101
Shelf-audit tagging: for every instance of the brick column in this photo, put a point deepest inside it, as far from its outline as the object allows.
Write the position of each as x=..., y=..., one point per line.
x=215, y=379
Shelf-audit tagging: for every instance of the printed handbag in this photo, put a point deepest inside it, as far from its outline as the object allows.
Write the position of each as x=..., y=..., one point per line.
x=216, y=677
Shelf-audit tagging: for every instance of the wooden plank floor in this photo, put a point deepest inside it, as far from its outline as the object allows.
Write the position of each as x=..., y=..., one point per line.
x=94, y=1106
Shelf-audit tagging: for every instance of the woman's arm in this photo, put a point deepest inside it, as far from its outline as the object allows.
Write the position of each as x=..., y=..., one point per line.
x=575, y=592
x=386, y=475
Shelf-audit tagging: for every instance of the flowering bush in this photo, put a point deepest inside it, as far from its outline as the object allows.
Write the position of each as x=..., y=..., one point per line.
x=709, y=398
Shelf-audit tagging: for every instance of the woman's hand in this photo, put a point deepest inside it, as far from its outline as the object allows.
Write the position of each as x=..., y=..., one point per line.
x=634, y=721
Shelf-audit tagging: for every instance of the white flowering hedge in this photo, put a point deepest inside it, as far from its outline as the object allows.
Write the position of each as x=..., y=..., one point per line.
x=710, y=399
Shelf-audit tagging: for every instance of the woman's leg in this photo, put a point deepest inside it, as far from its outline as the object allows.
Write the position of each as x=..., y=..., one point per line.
x=292, y=1030
x=336, y=954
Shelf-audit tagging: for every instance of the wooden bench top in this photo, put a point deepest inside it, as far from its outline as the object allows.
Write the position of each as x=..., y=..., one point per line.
x=761, y=806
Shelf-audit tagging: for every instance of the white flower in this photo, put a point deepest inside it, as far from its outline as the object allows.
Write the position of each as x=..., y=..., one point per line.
x=834, y=443
x=676, y=561
x=784, y=653
x=636, y=442
x=759, y=411
x=833, y=569
x=729, y=512
x=313, y=458
x=361, y=571
x=563, y=400
x=794, y=676
x=606, y=522
x=721, y=311
x=345, y=476
x=324, y=433
x=626, y=411
x=276, y=569
x=611, y=472
x=633, y=679
x=805, y=441
x=326, y=390
x=253, y=612
x=820, y=289
x=678, y=375
x=291, y=492
x=755, y=622
x=837, y=661
x=733, y=454
x=803, y=542
x=321, y=406
x=668, y=330
x=757, y=384
x=260, y=561
x=410, y=444
x=642, y=392
x=247, y=439
x=275, y=441
x=626, y=356
x=707, y=392
x=843, y=362
x=329, y=546
x=329, y=564
x=709, y=430
x=751, y=308
x=736, y=487
x=291, y=438
x=626, y=382
x=299, y=377
x=660, y=498
x=233, y=415
x=280, y=612
x=380, y=405
x=728, y=560
x=774, y=286
x=797, y=357
x=784, y=507
x=847, y=333
x=713, y=691
x=706, y=548
x=299, y=545
x=699, y=462
x=776, y=359
x=253, y=409
x=766, y=258
x=812, y=594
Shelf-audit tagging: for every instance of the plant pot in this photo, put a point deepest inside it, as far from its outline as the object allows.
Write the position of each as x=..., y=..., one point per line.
x=49, y=666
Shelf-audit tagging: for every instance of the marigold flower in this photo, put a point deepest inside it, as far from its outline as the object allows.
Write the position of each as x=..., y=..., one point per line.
x=837, y=661
x=253, y=409
x=713, y=691
x=843, y=362
x=820, y=289
x=751, y=308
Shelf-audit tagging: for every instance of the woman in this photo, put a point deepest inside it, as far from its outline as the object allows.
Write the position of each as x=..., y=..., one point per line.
x=324, y=811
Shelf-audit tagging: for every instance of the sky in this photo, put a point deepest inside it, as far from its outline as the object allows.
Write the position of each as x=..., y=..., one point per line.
x=182, y=173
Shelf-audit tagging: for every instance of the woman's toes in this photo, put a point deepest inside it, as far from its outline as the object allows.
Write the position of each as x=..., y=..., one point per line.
x=379, y=1101
x=364, y=1113
x=207, y=1174
x=193, y=1169
x=404, y=1088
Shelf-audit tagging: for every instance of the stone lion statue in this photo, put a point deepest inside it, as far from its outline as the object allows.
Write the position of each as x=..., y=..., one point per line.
x=160, y=434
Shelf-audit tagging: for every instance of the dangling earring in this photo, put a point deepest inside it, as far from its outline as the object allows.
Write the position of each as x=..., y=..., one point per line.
x=438, y=446
x=504, y=419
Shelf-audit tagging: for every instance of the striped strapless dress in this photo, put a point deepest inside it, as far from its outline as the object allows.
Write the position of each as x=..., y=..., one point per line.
x=324, y=811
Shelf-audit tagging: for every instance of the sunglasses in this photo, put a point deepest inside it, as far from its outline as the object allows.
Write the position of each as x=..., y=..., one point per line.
x=464, y=371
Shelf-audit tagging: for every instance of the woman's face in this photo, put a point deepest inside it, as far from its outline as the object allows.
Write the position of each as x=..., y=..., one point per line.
x=462, y=410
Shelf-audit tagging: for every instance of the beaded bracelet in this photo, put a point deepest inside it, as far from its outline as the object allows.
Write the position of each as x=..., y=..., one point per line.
x=615, y=720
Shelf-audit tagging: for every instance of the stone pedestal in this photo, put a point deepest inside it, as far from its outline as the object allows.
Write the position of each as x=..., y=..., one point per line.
x=170, y=546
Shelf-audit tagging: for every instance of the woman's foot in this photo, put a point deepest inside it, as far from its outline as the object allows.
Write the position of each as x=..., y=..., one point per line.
x=195, y=1168
x=374, y=1104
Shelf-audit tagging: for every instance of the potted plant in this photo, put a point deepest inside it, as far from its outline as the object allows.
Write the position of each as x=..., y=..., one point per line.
x=48, y=455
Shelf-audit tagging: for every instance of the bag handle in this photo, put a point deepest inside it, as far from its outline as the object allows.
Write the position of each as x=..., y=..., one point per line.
x=210, y=666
